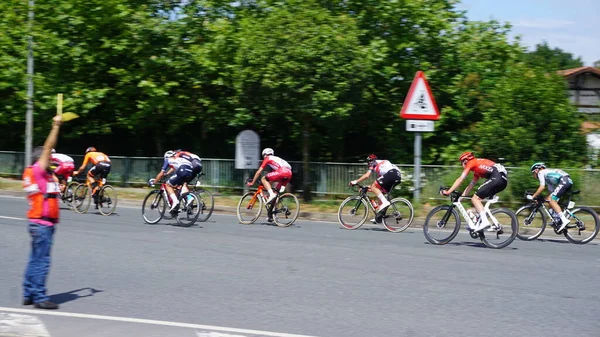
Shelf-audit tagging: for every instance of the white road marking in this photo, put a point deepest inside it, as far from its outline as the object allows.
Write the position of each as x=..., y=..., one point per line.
x=154, y=322
x=22, y=325
x=13, y=197
x=11, y=218
x=215, y=334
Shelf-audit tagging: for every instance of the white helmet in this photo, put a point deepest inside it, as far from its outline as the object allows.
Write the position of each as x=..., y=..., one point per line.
x=169, y=154
x=268, y=152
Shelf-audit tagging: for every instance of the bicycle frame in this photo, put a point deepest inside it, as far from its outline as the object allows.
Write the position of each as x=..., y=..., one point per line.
x=567, y=210
x=363, y=196
x=461, y=208
x=257, y=193
x=456, y=199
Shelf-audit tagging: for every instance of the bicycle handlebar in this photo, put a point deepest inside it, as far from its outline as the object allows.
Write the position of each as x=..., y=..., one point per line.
x=454, y=195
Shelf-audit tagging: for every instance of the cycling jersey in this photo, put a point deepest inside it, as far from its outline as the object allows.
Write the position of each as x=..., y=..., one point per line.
x=482, y=168
x=382, y=167
x=494, y=173
x=65, y=165
x=42, y=194
x=175, y=163
x=193, y=159
x=551, y=176
x=95, y=158
x=275, y=163
x=188, y=155
x=282, y=171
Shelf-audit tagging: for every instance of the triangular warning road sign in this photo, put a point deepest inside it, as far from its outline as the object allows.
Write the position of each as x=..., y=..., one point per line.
x=419, y=103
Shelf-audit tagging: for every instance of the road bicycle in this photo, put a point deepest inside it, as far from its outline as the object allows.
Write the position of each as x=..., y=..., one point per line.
x=283, y=210
x=67, y=196
x=157, y=202
x=104, y=196
x=354, y=210
x=206, y=201
x=443, y=223
x=535, y=216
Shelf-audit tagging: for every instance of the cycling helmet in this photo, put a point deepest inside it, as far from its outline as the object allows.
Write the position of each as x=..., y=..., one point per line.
x=268, y=152
x=90, y=149
x=466, y=156
x=169, y=154
x=370, y=158
x=537, y=166
x=53, y=151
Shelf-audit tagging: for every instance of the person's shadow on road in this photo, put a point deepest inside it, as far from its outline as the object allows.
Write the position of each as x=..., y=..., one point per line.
x=73, y=295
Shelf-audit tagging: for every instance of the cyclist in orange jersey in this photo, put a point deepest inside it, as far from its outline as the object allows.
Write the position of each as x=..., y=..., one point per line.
x=100, y=169
x=495, y=174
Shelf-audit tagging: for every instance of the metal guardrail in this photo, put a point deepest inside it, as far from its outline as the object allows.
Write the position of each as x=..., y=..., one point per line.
x=326, y=178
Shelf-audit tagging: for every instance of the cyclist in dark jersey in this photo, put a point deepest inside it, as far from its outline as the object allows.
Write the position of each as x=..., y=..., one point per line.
x=482, y=168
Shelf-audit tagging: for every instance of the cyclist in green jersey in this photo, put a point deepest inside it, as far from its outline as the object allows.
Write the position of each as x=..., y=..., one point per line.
x=558, y=182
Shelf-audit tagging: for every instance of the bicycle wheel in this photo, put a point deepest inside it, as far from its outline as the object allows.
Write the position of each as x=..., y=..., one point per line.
x=81, y=199
x=286, y=210
x=507, y=233
x=189, y=209
x=353, y=212
x=206, y=205
x=584, y=225
x=531, y=224
x=398, y=216
x=153, y=207
x=68, y=195
x=107, y=200
x=249, y=208
x=441, y=225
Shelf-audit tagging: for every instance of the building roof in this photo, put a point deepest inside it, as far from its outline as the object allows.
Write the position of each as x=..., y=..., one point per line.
x=587, y=127
x=580, y=70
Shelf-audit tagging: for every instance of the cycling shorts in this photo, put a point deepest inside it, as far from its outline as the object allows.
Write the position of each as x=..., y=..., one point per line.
x=100, y=170
x=183, y=175
x=387, y=181
x=495, y=184
x=564, y=184
x=282, y=176
x=196, y=167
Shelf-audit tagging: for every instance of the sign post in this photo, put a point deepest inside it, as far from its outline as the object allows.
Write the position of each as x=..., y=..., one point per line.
x=419, y=110
x=247, y=152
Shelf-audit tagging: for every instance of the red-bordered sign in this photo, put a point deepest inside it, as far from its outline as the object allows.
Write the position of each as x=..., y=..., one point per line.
x=419, y=103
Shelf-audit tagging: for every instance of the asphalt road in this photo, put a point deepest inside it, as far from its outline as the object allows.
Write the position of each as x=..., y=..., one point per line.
x=116, y=276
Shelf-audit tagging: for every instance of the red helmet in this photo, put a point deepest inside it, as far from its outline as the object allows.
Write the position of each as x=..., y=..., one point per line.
x=466, y=156
x=371, y=157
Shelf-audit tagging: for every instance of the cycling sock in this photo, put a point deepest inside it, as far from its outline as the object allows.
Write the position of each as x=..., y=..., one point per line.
x=270, y=190
x=381, y=198
x=174, y=198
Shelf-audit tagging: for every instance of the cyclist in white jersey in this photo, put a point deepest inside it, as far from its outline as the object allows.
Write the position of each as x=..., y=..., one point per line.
x=62, y=167
x=183, y=174
x=388, y=175
x=558, y=182
x=281, y=172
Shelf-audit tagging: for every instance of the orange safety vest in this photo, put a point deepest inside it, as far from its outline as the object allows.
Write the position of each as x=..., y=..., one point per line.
x=42, y=206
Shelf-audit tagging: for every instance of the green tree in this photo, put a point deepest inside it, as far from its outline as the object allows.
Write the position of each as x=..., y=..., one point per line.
x=552, y=58
x=296, y=67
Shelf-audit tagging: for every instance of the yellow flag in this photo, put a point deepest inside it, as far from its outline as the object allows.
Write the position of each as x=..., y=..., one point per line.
x=67, y=116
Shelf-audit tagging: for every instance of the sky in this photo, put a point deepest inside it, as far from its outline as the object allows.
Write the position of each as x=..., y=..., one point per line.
x=571, y=25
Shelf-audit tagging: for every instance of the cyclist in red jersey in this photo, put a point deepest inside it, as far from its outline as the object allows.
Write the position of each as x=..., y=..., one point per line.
x=482, y=168
x=281, y=172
